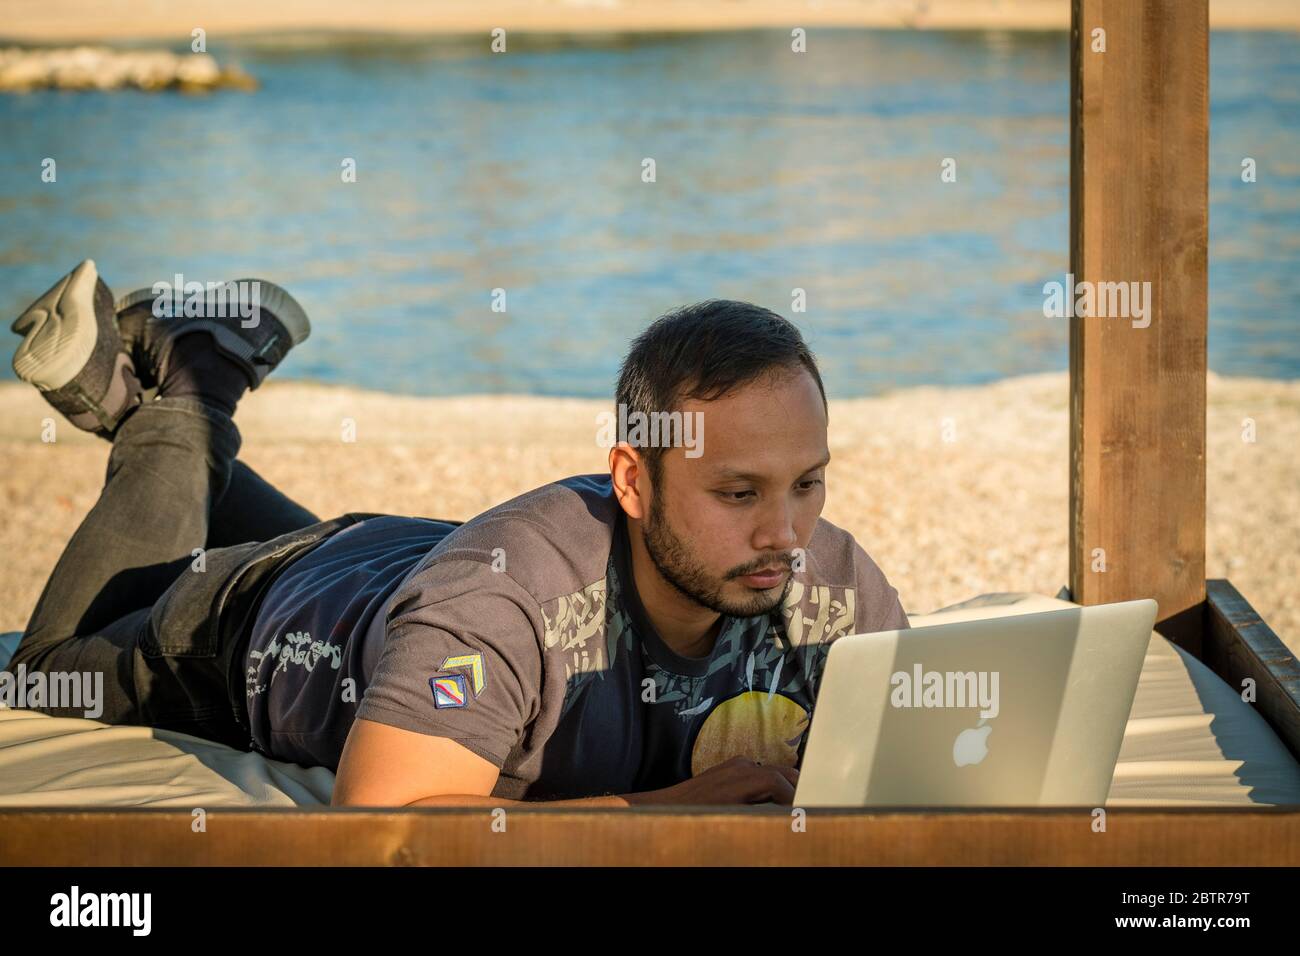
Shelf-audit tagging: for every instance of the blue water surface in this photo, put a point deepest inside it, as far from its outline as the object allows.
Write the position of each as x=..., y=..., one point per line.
x=523, y=171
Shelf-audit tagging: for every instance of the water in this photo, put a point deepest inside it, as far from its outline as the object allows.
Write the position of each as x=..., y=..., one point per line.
x=774, y=171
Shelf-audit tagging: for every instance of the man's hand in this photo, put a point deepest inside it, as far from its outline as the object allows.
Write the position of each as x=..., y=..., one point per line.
x=738, y=780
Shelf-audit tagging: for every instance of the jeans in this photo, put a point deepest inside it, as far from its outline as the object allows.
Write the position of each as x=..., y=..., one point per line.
x=132, y=600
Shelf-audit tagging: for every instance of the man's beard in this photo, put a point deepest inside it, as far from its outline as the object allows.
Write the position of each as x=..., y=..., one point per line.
x=677, y=563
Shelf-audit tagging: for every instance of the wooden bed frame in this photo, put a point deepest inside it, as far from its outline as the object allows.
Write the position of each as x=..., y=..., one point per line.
x=1237, y=645
x=1138, y=211
x=708, y=836
x=1234, y=642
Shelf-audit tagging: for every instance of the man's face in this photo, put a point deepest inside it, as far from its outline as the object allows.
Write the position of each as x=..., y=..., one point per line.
x=723, y=527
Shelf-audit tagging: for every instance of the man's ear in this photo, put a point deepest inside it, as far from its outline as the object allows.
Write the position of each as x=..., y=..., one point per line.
x=631, y=478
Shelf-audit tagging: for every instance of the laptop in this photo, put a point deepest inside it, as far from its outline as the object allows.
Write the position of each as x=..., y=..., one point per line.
x=1027, y=710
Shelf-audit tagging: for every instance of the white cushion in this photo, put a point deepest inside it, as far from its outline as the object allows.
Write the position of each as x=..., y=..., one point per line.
x=1190, y=739
x=60, y=762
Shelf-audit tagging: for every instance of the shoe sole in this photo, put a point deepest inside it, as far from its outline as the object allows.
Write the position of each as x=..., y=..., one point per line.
x=72, y=353
x=271, y=297
x=58, y=341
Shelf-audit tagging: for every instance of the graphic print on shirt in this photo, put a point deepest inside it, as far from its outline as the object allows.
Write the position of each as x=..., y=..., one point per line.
x=571, y=623
x=770, y=726
x=755, y=698
x=764, y=720
x=298, y=649
x=769, y=719
x=836, y=612
x=762, y=725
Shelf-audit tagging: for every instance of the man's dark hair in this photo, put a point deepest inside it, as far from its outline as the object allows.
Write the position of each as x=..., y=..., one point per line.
x=702, y=352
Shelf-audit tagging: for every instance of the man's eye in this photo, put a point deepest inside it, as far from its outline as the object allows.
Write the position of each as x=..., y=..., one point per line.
x=736, y=495
x=810, y=484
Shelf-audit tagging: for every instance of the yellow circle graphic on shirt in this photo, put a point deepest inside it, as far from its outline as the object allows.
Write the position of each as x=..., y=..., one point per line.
x=753, y=725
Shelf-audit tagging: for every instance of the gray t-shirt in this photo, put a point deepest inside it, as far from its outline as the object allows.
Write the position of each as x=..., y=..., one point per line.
x=520, y=635
x=310, y=654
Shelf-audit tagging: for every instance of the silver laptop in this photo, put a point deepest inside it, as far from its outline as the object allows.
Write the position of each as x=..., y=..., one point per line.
x=1027, y=710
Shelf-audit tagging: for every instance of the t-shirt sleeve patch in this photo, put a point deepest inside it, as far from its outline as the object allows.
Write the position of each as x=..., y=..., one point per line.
x=461, y=678
x=472, y=666
x=448, y=691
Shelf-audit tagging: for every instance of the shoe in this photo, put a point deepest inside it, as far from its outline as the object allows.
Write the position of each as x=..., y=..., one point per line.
x=72, y=353
x=149, y=323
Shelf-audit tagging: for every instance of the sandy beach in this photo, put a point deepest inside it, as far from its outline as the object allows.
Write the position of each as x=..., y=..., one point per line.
x=946, y=520
x=73, y=20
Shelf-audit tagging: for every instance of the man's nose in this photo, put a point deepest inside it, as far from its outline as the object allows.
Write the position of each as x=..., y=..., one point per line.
x=776, y=529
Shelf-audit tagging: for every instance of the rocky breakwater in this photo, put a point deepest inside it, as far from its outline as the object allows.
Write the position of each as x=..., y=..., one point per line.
x=102, y=68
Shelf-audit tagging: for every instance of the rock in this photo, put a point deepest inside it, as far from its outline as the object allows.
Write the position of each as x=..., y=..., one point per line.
x=102, y=68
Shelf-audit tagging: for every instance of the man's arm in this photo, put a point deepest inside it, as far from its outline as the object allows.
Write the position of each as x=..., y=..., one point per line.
x=385, y=766
x=463, y=801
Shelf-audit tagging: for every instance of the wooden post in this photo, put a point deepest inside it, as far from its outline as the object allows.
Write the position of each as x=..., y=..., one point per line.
x=1139, y=138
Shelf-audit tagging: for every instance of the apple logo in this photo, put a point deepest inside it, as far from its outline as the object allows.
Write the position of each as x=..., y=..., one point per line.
x=971, y=745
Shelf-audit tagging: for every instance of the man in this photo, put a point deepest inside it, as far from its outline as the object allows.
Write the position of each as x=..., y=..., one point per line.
x=656, y=634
